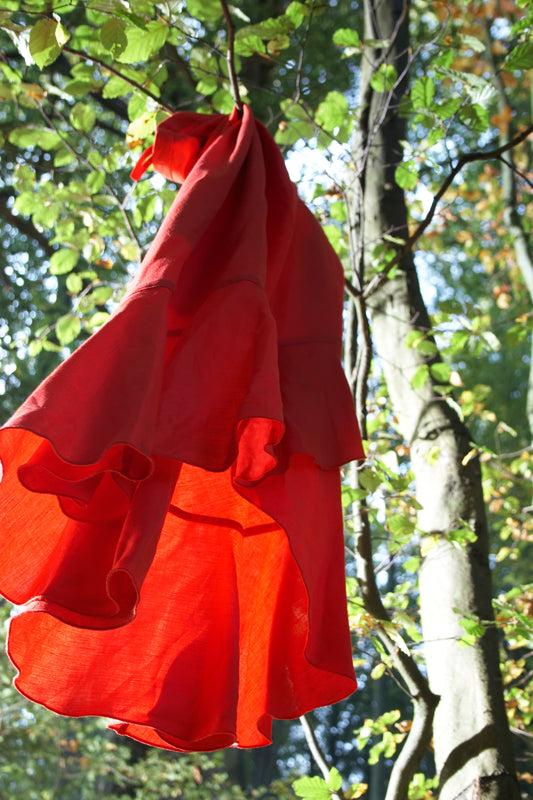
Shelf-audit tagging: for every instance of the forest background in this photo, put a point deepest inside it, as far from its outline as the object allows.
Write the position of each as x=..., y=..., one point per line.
x=408, y=129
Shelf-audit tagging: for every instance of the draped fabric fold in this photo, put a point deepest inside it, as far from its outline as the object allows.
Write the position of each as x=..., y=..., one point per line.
x=170, y=518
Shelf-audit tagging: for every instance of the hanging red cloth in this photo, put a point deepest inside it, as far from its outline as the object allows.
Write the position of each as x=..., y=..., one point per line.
x=170, y=517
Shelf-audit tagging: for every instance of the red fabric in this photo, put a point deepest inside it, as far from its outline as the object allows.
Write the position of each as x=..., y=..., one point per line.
x=170, y=502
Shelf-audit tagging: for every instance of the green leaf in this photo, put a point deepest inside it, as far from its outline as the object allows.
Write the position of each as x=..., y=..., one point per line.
x=369, y=479
x=25, y=203
x=350, y=495
x=384, y=79
x=35, y=347
x=448, y=108
x=207, y=85
x=314, y=788
x=435, y=135
x=347, y=37
x=113, y=36
x=68, y=328
x=334, y=780
x=96, y=181
x=47, y=37
x=406, y=175
x=462, y=536
x=293, y=110
x=63, y=261
x=13, y=75
x=400, y=525
x=74, y=283
x=338, y=211
x=205, y=10
x=30, y=137
x=98, y=319
x=83, y=117
x=475, y=117
x=521, y=57
x=413, y=338
x=142, y=127
x=223, y=101
x=426, y=346
x=423, y=92
x=421, y=376
x=80, y=87
x=144, y=43
x=335, y=235
x=441, y=371
x=297, y=12
x=333, y=112
x=281, y=42
x=473, y=627
x=271, y=28
x=102, y=294
x=247, y=44
x=63, y=157
x=116, y=87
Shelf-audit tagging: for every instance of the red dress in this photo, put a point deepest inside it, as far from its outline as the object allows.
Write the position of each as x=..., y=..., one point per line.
x=170, y=518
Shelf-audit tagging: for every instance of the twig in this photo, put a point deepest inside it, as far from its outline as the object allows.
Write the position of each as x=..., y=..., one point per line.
x=119, y=74
x=316, y=752
x=299, y=69
x=25, y=227
x=230, y=57
x=519, y=732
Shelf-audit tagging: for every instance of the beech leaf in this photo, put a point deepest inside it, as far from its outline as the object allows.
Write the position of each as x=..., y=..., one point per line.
x=47, y=37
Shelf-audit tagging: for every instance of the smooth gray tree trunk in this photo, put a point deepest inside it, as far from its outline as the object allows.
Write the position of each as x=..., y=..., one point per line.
x=472, y=742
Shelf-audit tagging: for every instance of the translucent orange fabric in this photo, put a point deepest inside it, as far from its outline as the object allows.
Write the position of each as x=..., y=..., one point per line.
x=170, y=518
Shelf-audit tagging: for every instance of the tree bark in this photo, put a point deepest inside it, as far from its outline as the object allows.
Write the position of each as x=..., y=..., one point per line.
x=472, y=742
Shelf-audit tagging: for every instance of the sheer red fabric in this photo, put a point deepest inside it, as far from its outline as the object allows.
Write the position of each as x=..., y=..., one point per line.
x=170, y=502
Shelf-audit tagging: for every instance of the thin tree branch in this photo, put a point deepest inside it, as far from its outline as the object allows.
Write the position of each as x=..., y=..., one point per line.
x=299, y=69
x=25, y=227
x=230, y=57
x=317, y=752
x=462, y=161
x=119, y=74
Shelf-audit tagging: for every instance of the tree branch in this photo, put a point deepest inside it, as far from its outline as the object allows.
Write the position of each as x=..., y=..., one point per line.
x=230, y=57
x=25, y=227
x=317, y=752
x=138, y=86
x=462, y=161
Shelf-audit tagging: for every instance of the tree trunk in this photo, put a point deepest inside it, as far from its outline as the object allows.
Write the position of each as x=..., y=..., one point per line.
x=473, y=750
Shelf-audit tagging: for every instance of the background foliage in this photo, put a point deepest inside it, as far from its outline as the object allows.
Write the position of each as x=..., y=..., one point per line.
x=82, y=87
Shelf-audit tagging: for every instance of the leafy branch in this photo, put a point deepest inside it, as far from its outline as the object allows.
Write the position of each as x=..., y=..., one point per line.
x=494, y=153
x=114, y=71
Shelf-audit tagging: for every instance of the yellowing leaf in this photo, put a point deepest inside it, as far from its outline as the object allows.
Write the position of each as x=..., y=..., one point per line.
x=62, y=36
x=46, y=40
x=377, y=671
x=357, y=790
